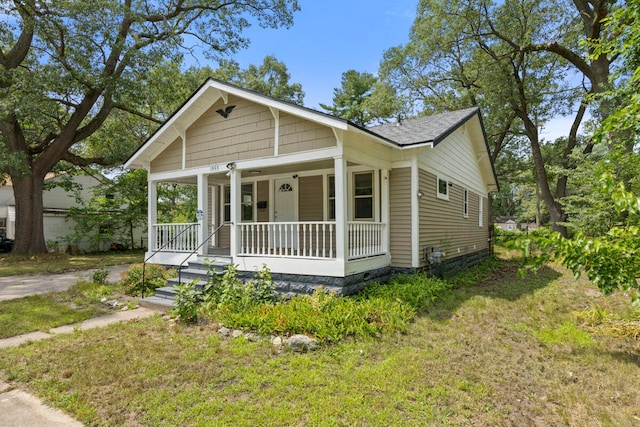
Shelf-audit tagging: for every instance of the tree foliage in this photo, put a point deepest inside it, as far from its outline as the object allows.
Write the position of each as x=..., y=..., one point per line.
x=66, y=66
x=270, y=78
x=362, y=99
x=512, y=59
x=610, y=256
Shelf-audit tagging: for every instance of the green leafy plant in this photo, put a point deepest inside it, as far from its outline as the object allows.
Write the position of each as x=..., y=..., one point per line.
x=187, y=302
x=155, y=276
x=100, y=275
x=611, y=261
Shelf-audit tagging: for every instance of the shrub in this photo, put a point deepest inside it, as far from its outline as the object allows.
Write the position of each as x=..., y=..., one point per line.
x=231, y=293
x=326, y=316
x=155, y=276
x=417, y=290
x=187, y=302
x=100, y=275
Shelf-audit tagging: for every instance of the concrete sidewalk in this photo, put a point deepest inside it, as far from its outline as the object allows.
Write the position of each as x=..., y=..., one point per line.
x=20, y=409
x=13, y=287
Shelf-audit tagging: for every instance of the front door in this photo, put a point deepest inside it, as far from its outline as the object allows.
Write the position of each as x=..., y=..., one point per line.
x=284, y=206
x=286, y=235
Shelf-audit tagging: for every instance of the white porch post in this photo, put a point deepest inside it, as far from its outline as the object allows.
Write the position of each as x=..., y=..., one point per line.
x=384, y=209
x=236, y=187
x=152, y=214
x=203, y=205
x=342, y=249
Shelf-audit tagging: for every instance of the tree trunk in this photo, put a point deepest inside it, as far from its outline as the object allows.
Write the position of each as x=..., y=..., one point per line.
x=29, y=238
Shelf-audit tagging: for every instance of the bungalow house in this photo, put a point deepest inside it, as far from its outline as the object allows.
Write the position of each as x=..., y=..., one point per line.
x=316, y=198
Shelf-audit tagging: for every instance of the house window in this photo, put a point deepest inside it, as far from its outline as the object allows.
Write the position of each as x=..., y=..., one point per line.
x=465, y=203
x=443, y=189
x=227, y=203
x=247, y=202
x=481, y=212
x=3, y=226
x=331, y=207
x=363, y=195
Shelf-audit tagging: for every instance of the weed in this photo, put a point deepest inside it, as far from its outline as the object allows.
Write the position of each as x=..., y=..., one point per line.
x=187, y=302
x=155, y=276
x=100, y=275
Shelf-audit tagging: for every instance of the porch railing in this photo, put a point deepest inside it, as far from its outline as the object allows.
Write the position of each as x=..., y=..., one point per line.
x=290, y=239
x=309, y=239
x=179, y=237
x=365, y=239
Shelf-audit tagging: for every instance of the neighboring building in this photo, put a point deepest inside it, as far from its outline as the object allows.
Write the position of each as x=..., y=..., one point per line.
x=57, y=225
x=316, y=198
x=507, y=223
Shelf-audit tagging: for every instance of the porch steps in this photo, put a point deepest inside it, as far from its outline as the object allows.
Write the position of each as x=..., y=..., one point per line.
x=165, y=297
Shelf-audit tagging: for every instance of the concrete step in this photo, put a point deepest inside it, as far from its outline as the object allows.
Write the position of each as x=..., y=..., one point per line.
x=158, y=304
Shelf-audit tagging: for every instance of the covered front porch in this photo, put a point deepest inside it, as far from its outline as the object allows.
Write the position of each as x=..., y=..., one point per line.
x=326, y=218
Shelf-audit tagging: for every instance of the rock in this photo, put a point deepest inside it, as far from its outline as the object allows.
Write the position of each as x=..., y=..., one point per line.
x=302, y=343
x=236, y=333
x=277, y=341
x=103, y=299
x=252, y=337
x=225, y=332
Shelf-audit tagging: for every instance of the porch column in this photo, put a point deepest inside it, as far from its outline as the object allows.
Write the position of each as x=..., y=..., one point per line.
x=152, y=214
x=384, y=209
x=236, y=187
x=340, y=170
x=203, y=206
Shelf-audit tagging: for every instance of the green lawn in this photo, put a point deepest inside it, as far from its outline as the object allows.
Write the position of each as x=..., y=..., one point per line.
x=504, y=351
x=11, y=265
x=47, y=311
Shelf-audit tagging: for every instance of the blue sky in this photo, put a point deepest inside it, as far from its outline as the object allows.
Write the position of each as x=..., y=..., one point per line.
x=329, y=37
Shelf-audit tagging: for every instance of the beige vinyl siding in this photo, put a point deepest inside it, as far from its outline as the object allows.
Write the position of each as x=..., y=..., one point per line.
x=170, y=159
x=247, y=133
x=442, y=223
x=262, y=195
x=400, y=217
x=310, y=204
x=455, y=158
x=297, y=134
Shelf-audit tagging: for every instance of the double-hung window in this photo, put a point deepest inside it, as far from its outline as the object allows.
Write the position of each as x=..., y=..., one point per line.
x=363, y=195
x=246, y=202
x=331, y=206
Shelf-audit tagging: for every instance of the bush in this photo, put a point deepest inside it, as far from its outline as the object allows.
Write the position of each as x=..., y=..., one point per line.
x=155, y=276
x=100, y=275
x=187, y=302
x=327, y=317
x=419, y=291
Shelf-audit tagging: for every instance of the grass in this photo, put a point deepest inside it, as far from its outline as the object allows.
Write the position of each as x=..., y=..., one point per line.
x=44, y=312
x=11, y=265
x=496, y=350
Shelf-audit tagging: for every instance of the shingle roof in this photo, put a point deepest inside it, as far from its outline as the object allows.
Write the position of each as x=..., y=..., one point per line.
x=422, y=130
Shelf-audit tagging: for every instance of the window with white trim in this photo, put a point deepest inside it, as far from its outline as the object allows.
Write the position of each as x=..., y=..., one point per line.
x=442, y=191
x=363, y=195
x=246, y=195
x=246, y=202
x=227, y=203
x=465, y=203
x=481, y=212
x=331, y=206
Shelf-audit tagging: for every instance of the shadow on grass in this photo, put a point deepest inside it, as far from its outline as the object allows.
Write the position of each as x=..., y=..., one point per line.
x=494, y=278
